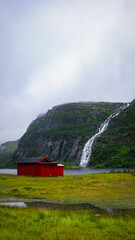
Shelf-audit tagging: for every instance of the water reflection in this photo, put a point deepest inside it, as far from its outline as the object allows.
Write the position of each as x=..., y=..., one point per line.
x=8, y=171
x=14, y=204
x=83, y=171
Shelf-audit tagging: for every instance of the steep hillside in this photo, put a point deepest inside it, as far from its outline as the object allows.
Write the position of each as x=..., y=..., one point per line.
x=61, y=133
x=116, y=146
x=6, y=151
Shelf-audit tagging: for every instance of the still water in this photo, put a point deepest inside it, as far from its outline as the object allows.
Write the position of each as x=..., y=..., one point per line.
x=75, y=171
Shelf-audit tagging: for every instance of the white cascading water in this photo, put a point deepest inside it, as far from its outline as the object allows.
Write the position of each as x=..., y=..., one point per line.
x=86, y=154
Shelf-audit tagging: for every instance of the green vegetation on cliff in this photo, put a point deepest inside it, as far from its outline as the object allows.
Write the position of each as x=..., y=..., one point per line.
x=116, y=146
x=72, y=120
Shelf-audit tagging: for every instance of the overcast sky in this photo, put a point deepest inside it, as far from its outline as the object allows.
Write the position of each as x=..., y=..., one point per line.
x=60, y=51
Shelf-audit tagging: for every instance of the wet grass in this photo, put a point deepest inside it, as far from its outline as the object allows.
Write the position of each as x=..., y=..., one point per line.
x=44, y=224
x=113, y=190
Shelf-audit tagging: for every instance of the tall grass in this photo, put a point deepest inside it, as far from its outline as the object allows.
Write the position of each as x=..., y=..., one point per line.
x=44, y=224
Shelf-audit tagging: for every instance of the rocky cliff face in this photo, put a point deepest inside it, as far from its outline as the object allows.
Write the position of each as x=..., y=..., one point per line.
x=61, y=133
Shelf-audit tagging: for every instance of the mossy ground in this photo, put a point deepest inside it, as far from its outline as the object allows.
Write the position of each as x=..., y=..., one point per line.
x=115, y=190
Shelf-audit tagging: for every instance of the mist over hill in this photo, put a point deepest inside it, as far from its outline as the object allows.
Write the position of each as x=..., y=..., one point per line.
x=6, y=151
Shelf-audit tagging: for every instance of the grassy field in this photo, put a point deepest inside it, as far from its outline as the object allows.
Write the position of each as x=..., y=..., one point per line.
x=108, y=190
x=44, y=224
x=116, y=190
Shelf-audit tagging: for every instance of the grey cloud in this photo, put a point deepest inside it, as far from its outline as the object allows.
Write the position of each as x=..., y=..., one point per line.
x=54, y=52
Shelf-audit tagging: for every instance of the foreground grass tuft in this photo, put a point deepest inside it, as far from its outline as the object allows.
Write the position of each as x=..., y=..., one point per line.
x=35, y=224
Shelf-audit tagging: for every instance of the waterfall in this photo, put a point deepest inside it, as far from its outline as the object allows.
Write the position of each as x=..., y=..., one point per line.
x=87, y=151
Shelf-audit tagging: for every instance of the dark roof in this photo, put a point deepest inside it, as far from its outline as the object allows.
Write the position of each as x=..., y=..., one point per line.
x=33, y=160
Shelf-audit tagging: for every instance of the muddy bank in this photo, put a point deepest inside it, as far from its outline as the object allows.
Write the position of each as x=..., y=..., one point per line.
x=80, y=206
x=17, y=202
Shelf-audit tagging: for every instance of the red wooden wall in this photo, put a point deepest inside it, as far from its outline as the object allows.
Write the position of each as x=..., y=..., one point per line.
x=52, y=170
x=43, y=170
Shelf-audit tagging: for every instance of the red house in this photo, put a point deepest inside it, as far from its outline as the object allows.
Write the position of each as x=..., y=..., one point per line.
x=38, y=166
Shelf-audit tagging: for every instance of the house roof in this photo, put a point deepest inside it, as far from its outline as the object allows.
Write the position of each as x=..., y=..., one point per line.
x=60, y=165
x=34, y=160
